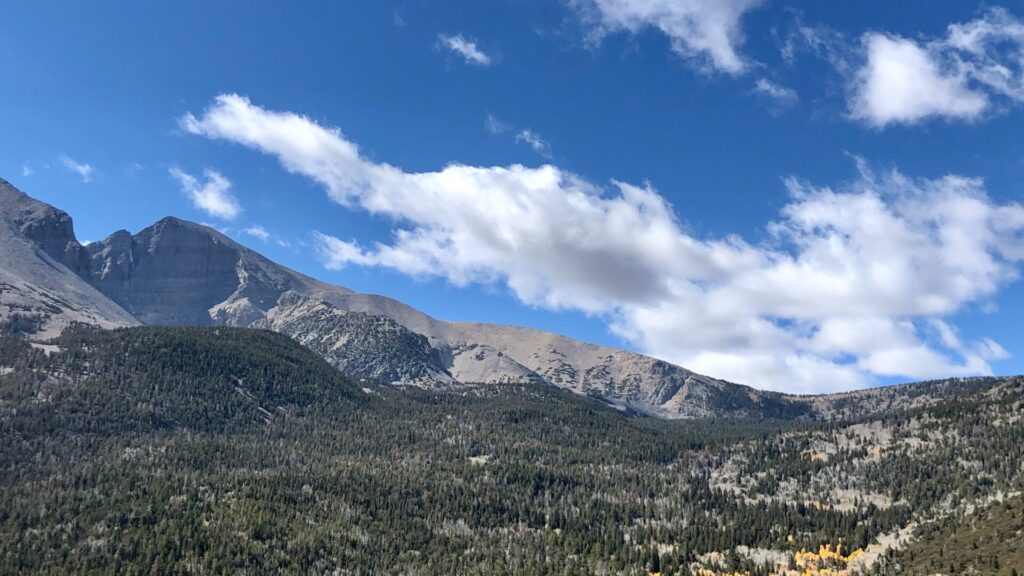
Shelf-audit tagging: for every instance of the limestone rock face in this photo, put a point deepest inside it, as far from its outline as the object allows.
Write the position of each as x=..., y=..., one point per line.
x=359, y=344
x=175, y=272
x=43, y=226
x=180, y=273
x=40, y=263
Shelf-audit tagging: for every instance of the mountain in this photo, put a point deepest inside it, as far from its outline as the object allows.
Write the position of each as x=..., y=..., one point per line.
x=181, y=273
x=44, y=275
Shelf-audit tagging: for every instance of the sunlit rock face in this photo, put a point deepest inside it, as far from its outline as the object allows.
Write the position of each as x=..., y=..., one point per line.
x=41, y=271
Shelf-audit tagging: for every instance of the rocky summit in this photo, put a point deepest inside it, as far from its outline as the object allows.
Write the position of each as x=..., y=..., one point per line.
x=44, y=274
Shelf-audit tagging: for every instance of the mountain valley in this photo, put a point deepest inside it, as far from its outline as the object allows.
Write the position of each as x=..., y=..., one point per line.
x=172, y=402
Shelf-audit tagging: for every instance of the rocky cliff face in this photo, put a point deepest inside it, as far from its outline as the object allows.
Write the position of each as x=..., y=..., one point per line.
x=176, y=272
x=40, y=263
x=46, y=228
x=179, y=273
x=369, y=345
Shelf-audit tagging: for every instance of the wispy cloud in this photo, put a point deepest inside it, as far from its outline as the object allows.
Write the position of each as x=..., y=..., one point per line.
x=465, y=48
x=213, y=197
x=901, y=82
x=27, y=170
x=534, y=140
x=257, y=231
x=496, y=126
x=84, y=170
x=707, y=32
x=776, y=92
x=856, y=282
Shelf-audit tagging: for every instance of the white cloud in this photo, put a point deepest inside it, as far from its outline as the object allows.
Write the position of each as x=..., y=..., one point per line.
x=465, y=48
x=27, y=170
x=904, y=81
x=706, y=31
x=534, y=140
x=780, y=94
x=213, y=197
x=493, y=125
x=84, y=171
x=852, y=285
x=990, y=50
x=257, y=231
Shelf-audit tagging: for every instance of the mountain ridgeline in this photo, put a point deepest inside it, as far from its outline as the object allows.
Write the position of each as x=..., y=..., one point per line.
x=178, y=273
x=184, y=274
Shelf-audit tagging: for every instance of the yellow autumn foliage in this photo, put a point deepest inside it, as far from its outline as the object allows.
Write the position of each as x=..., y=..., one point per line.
x=826, y=561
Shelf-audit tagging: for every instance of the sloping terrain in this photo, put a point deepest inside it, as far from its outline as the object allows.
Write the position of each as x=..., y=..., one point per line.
x=368, y=345
x=943, y=460
x=219, y=450
x=39, y=258
x=989, y=540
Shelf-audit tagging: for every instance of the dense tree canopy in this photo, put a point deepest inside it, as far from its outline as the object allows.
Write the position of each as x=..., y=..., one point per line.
x=219, y=450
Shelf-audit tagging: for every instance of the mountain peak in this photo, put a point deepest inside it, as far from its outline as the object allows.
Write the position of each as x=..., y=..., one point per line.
x=177, y=225
x=172, y=272
x=49, y=229
x=43, y=269
x=6, y=188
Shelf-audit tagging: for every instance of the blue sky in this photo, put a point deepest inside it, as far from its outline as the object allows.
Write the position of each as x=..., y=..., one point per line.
x=799, y=196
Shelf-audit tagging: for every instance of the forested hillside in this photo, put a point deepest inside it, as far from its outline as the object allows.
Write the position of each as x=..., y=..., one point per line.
x=223, y=450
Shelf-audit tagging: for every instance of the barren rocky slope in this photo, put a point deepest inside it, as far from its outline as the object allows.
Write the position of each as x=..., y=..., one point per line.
x=39, y=258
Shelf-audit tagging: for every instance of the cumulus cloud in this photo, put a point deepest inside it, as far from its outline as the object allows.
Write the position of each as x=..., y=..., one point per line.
x=957, y=77
x=901, y=82
x=84, y=170
x=465, y=48
x=855, y=282
x=707, y=32
x=213, y=196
